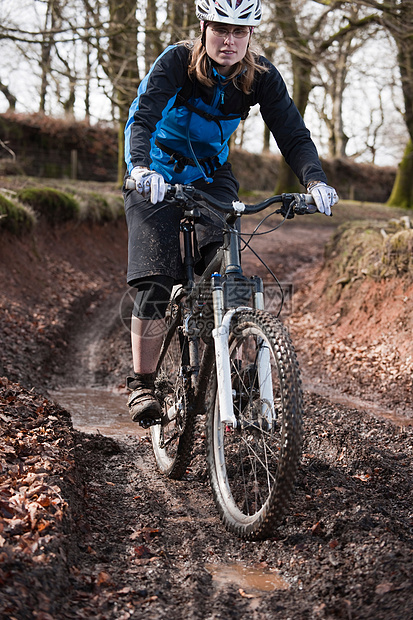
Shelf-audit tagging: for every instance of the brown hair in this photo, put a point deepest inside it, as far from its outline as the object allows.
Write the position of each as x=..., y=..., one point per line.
x=200, y=63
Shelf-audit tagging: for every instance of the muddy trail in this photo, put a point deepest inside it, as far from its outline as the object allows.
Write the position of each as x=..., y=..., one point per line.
x=103, y=535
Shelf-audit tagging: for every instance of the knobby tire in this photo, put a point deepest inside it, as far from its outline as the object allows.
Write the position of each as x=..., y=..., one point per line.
x=252, y=469
x=172, y=444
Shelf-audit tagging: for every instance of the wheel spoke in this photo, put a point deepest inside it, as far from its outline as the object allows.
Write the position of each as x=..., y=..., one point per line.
x=172, y=442
x=251, y=473
x=258, y=458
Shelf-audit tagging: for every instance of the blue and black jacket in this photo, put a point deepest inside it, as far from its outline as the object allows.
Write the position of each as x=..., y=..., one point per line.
x=181, y=128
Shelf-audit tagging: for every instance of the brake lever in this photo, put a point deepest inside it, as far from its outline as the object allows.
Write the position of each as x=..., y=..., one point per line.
x=296, y=204
x=287, y=209
x=302, y=207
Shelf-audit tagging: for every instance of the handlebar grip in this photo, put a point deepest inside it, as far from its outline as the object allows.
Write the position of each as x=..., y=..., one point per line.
x=131, y=184
x=304, y=203
x=309, y=201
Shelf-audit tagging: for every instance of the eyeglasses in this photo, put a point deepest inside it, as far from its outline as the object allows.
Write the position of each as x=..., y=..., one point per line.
x=224, y=33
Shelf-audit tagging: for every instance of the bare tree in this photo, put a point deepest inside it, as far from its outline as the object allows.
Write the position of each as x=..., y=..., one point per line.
x=9, y=96
x=324, y=37
x=397, y=17
x=153, y=43
x=302, y=59
x=331, y=71
x=334, y=86
x=46, y=45
x=88, y=75
x=122, y=66
x=113, y=35
x=181, y=22
x=79, y=43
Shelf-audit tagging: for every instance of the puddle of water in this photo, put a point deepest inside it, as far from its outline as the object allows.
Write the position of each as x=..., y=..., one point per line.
x=98, y=410
x=245, y=577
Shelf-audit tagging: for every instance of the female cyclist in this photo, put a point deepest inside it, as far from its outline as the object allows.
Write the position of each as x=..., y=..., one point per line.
x=187, y=107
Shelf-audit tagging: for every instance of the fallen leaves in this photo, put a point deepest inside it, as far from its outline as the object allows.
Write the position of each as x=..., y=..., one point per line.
x=104, y=578
x=316, y=528
x=31, y=503
x=384, y=588
x=362, y=477
x=142, y=552
x=244, y=594
x=36, y=455
x=146, y=533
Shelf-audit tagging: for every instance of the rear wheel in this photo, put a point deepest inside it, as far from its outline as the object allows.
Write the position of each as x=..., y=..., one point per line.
x=172, y=440
x=252, y=467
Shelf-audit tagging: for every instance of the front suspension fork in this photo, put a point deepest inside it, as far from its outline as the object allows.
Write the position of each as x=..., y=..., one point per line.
x=220, y=334
x=264, y=363
x=223, y=367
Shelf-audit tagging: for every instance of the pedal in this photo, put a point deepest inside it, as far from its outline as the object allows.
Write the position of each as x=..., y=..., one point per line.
x=148, y=422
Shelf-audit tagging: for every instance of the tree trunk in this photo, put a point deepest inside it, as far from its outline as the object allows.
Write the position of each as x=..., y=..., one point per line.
x=88, y=76
x=398, y=19
x=298, y=48
x=123, y=66
x=338, y=86
x=11, y=99
x=46, y=52
x=287, y=180
x=267, y=136
x=181, y=19
x=402, y=192
x=153, y=43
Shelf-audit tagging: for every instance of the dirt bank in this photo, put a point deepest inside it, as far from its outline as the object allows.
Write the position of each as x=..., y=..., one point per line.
x=354, y=317
x=50, y=282
x=88, y=529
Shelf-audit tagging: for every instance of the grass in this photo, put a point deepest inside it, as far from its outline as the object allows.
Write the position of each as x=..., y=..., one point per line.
x=14, y=217
x=52, y=204
x=99, y=208
x=369, y=249
x=26, y=200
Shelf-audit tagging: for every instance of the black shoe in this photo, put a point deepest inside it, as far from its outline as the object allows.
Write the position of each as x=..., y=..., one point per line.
x=143, y=405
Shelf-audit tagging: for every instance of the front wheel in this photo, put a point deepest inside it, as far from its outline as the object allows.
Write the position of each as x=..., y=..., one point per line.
x=252, y=467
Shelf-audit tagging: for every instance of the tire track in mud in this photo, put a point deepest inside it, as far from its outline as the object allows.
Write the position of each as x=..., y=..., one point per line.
x=89, y=340
x=145, y=539
x=344, y=549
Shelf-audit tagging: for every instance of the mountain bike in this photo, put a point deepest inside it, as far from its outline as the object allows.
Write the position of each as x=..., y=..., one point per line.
x=223, y=355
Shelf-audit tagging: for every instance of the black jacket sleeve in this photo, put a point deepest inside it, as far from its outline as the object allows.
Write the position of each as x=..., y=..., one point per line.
x=286, y=125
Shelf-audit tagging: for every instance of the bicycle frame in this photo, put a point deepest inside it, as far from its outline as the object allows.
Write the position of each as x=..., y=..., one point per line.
x=223, y=272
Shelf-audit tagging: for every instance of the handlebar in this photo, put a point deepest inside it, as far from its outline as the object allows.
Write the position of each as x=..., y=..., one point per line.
x=292, y=204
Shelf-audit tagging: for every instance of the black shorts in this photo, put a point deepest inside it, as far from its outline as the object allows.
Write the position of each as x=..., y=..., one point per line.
x=153, y=230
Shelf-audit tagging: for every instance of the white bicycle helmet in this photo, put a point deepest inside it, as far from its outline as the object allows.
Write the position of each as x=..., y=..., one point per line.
x=235, y=12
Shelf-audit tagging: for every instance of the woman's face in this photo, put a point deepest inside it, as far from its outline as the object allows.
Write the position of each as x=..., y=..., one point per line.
x=226, y=44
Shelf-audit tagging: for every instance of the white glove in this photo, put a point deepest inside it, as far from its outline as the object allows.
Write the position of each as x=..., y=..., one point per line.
x=149, y=182
x=324, y=196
